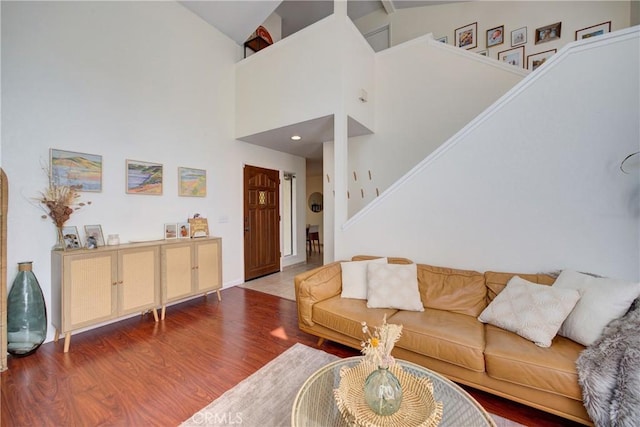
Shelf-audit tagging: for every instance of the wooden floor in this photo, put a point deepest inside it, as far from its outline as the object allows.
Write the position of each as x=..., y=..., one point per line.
x=138, y=372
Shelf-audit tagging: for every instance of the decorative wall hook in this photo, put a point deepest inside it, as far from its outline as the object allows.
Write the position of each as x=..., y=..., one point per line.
x=625, y=160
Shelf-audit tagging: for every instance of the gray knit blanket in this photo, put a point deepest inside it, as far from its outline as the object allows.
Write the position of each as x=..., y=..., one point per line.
x=609, y=373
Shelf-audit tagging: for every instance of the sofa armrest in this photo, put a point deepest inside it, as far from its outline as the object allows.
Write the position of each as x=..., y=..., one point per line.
x=314, y=286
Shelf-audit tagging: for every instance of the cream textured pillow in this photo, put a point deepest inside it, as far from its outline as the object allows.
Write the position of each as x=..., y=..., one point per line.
x=533, y=311
x=602, y=300
x=354, y=278
x=393, y=286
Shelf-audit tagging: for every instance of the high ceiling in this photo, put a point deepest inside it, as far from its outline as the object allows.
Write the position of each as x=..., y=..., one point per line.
x=239, y=18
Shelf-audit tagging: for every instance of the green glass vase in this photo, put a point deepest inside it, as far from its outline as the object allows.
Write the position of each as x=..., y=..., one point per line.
x=26, y=313
x=382, y=392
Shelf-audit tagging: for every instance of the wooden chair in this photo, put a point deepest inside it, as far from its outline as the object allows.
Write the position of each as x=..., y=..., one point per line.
x=313, y=238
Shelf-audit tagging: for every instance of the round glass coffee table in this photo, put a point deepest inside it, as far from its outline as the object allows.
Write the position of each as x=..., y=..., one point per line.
x=315, y=405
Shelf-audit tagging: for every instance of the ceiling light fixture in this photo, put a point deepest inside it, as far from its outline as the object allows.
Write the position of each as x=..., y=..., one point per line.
x=296, y=137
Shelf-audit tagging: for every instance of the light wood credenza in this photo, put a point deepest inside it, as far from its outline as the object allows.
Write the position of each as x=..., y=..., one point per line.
x=92, y=286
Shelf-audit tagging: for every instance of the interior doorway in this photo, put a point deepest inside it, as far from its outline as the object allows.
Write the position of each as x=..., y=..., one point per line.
x=261, y=222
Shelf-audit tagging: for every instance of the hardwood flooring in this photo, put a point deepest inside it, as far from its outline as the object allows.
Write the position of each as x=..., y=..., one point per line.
x=139, y=372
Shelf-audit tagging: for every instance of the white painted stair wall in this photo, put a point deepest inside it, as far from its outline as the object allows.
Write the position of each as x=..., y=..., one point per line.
x=532, y=184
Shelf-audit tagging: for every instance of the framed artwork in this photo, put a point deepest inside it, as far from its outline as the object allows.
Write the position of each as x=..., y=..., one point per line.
x=484, y=53
x=467, y=37
x=594, y=30
x=199, y=227
x=495, y=36
x=513, y=56
x=78, y=170
x=94, y=236
x=537, y=59
x=184, y=230
x=443, y=39
x=71, y=237
x=171, y=231
x=518, y=36
x=144, y=178
x=548, y=33
x=192, y=182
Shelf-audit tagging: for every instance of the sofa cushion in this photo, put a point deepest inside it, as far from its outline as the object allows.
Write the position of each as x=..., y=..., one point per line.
x=533, y=311
x=451, y=337
x=354, y=278
x=512, y=358
x=393, y=286
x=346, y=315
x=495, y=281
x=459, y=291
x=602, y=301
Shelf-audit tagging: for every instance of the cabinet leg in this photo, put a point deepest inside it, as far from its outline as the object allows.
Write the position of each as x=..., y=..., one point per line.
x=155, y=314
x=219, y=296
x=67, y=342
x=56, y=337
x=320, y=342
x=164, y=310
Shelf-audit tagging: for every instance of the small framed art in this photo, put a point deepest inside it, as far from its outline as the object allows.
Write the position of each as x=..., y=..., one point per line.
x=537, y=59
x=495, y=36
x=94, y=236
x=199, y=227
x=171, y=231
x=548, y=33
x=594, y=30
x=71, y=237
x=144, y=178
x=513, y=56
x=184, y=230
x=484, y=53
x=192, y=182
x=467, y=37
x=519, y=36
x=81, y=171
x=443, y=39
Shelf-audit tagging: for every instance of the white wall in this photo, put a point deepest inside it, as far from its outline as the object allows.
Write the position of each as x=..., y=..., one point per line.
x=304, y=76
x=532, y=185
x=425, y=92
x=146, y=81
x=442, y=20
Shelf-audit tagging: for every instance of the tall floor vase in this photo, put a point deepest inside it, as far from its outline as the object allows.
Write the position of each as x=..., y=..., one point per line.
x=26, y=313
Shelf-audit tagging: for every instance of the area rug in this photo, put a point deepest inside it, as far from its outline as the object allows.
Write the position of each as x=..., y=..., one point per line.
x=265, y=398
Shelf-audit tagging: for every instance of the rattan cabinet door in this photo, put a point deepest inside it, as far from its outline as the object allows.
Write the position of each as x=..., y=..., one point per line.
x=207, y=265
x=138, y=279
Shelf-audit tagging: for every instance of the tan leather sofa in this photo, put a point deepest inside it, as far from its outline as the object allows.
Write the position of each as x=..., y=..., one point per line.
x=448, y=338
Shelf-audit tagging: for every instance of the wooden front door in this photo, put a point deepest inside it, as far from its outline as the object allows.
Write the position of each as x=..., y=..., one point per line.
x=261, y=222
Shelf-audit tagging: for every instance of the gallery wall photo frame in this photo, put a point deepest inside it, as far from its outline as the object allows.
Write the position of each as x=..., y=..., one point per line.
x=71, y=237
x=94, y=232
x=81, y=171
x=594, y=30
x=519, y=37
x=143, y=177
x=548, y=33
x=467, y=37
x=537, y=59
x=443, y=39
x=514, y=56
x=495, y=36
x=192, y=182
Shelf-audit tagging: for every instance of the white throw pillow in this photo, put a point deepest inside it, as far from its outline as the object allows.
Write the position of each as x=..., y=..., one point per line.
x=533, y=311
x=602, y=300
x=354, y=278
x=393, y=286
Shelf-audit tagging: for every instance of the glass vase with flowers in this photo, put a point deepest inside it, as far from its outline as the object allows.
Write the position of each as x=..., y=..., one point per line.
x=382, y=389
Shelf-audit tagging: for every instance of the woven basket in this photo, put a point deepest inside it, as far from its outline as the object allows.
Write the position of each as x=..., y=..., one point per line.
x=418, y=407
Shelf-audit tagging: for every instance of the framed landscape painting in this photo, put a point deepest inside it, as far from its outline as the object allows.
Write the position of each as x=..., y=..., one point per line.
x=144, y=178
x=81, y=171
x=537, y=59
x=594, y=30
x=192, y=182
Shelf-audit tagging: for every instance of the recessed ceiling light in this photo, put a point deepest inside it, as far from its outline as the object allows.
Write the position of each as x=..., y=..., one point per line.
x=296, y=137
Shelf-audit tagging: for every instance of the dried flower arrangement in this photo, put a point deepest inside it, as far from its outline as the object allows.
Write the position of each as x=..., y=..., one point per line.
x=60, y=202
x=378, y=345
